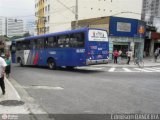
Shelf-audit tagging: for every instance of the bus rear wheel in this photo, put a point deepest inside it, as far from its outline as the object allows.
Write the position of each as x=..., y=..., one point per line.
x=51, y=64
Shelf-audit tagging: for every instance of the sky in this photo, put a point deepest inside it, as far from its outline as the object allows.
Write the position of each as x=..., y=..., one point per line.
x=23, y=9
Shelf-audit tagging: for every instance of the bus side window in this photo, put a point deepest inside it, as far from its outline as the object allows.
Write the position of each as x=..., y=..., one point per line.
x=50, y=43
x=35, y=44
x=26, y=44
x=77, y=40
x=60, y=41
x=63, y=41
x=80, y=39
x=32, y=44
x=40, y=43
x=67, y=42
x=55, y=42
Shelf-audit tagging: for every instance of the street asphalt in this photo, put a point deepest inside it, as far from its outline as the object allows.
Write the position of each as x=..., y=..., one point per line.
x=82, y=91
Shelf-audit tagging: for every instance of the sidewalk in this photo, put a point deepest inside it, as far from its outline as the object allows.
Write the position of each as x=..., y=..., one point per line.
x=13, y=97
x=148, y=62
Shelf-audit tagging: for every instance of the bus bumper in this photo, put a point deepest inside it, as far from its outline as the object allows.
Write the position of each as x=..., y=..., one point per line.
x=93, y=62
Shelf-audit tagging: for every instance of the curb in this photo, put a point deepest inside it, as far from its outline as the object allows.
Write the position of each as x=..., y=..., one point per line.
x=13, y=89
x=10, y=96
x=11, y=92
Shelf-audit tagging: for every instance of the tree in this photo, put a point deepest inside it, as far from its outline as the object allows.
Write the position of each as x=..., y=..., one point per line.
x=27, y=34
x=4, y=38
x=15, y=37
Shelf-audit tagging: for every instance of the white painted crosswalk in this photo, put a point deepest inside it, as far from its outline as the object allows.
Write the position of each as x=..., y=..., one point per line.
x=122, y=69
x=151, y=69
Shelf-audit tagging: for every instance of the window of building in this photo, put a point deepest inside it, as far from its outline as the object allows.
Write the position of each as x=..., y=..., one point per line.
x=48, y=18
x=48, y=7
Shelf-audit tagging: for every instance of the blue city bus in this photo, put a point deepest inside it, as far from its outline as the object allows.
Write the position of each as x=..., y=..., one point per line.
x=80, y=47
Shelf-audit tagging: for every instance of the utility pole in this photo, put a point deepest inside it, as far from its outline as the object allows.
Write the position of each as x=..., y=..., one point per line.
x=76, y=14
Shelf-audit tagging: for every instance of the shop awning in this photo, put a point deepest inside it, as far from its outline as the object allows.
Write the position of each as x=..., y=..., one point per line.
x=155, y=36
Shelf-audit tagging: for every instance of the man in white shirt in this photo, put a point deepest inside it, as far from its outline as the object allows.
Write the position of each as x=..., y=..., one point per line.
x=129, y=55
x=2, y=71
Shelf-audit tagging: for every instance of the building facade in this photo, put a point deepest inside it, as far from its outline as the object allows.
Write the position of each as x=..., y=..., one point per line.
x=11, y=27
x=15, y=27
x=151, y=15
x=29, y=27
x=2, y=26
x=56, y=15
x=150, y=11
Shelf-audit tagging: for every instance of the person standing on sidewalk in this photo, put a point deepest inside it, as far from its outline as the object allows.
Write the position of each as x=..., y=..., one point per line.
x=2, y=71
x=115, y=54
x=156, y=54
x=8, y=67
x=120, y=56
x=129, y=55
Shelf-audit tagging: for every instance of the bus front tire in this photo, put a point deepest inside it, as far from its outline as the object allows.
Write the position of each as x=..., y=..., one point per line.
x=51, y=64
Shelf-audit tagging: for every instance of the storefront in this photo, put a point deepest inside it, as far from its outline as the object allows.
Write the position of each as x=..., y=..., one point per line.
x=125, y=34
x=155, y=42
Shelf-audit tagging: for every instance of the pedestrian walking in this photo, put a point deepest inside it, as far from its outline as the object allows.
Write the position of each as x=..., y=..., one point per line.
x=115, y=54
x=119, y=56
x=156, y=53
x=129, y=55
x=8, y=67
x=2, y=71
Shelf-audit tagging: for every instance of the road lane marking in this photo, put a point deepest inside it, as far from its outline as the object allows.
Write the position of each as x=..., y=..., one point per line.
x=153, y=69
x=156, y=68
x=111, y=70
x=42, y=87
x=127, y=70
x=142, y=70
x=90, y=68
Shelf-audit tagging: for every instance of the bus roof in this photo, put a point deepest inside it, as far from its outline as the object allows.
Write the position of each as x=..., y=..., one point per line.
x=57, y=33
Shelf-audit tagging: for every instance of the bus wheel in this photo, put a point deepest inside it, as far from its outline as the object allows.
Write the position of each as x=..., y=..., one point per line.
x=51, y=64
x=20, y=63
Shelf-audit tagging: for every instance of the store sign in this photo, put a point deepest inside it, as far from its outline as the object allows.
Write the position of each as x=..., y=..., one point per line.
x=123, y=27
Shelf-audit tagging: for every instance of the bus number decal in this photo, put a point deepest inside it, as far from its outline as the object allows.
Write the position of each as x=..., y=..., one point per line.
x=80, y=50
x=93, y=47
x=99, y=48
x=52, y=52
